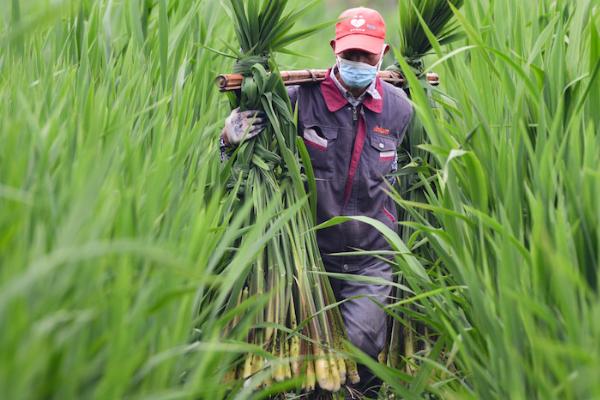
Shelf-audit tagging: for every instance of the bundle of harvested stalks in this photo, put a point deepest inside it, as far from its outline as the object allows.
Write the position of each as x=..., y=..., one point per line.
x=421, y=21
x=266, y=172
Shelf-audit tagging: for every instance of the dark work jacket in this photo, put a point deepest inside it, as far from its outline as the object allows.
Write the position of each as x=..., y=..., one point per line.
x=351, y=149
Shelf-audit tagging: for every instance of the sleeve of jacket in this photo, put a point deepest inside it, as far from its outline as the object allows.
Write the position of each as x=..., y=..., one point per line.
x=402, y=154
x=293, y=93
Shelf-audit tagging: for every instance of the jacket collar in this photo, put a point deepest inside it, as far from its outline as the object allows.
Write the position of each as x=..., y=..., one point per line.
x=335, y=100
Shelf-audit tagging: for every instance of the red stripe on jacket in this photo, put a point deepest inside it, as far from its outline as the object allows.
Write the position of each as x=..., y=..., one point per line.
x=359, y=143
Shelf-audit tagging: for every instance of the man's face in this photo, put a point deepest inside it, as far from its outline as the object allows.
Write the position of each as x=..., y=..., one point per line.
x=360, y=56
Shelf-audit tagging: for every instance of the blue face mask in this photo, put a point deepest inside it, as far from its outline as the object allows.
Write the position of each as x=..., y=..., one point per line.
x=357, y=75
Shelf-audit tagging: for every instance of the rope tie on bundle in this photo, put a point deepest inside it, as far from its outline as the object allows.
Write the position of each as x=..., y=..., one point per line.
x=244, y=65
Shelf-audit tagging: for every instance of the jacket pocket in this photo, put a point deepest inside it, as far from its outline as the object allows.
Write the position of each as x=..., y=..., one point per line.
x=320, y=142
x=383, y=154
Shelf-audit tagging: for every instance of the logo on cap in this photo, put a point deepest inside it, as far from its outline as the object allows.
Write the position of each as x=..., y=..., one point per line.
x=358, y=21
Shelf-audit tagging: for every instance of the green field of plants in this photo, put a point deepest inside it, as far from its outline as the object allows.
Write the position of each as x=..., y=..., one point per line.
x=121, y=244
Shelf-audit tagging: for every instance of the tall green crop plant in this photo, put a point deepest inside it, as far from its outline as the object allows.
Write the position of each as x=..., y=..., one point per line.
x=515, y=210
x=111, y=205
x=302, y=336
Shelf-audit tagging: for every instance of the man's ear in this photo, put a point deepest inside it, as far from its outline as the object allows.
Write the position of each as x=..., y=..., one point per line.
x=332, y=44
x=387, y=49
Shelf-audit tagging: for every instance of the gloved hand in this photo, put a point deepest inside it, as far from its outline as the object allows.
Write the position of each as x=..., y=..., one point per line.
x=242, y=125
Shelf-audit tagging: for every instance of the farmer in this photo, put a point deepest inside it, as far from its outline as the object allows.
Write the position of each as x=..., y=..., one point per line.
x=352, y=124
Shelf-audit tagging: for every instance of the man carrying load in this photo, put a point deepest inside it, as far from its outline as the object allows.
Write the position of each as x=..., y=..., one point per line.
x=352, y=124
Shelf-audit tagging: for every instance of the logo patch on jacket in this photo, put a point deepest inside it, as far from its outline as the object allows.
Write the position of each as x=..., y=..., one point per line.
x=387, y=155
x=381, y=131
x=312, y=138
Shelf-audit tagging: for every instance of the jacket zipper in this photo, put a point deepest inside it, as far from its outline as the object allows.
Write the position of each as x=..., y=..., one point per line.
x=354, y=128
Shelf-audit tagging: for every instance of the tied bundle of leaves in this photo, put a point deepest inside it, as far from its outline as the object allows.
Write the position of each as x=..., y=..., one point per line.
x=422, y=23
x=302, y=338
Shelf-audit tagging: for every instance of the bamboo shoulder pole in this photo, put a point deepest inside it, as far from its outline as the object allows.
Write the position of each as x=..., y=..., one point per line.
x=228, y=82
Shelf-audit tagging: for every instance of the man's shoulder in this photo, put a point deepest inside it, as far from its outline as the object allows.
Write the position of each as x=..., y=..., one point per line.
x=394, y=91
x=395, y=98
x=304, y=91
x=397, y=105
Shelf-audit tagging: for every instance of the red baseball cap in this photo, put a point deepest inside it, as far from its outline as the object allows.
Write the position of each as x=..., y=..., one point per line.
x=360, y=28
